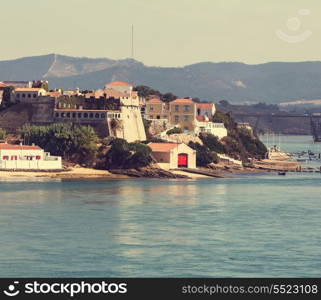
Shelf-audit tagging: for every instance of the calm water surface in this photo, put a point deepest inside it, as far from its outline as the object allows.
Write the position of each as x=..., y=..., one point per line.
x=262, y=225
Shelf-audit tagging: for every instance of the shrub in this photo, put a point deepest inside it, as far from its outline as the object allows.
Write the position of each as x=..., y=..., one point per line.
x=252, y=144
x=212, y=142
x=127, y=155
x=204, y=156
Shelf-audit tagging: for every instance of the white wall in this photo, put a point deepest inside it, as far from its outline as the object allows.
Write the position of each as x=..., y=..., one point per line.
x=182, y=148
x=46, y=162
x=31, y=164
x=133, y=126
x=21, y=153
x=217, y=129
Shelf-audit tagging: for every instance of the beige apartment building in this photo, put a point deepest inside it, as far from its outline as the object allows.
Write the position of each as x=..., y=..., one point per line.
x=157, y=109
x=183, y=113
x=186, y=114
x=180, y=112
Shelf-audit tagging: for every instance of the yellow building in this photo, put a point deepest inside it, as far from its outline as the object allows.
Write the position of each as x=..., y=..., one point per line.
x=186, y=114
x=183, y=113
x=156, y=109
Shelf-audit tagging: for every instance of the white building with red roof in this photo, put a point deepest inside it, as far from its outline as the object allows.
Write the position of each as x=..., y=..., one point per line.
x=24, y=157
x=173, y=155
x=206, y=109
x=204, y=125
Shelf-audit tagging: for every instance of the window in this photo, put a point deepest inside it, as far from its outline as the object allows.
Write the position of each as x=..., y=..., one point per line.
x=14, y=157
x=91, y=115
x=62, y=115
x=176, y=118
x=151, y=108
x=85, y=115
x=5, y=157
x=34, y=95
x=18, y=95
x=29, y=95
x=38, y=157
x=23, y=95
x=79, y=115
x=186, y=118
x=151, y=117
x=97, y=116
x=103, y=116
x=164, y=117
x=158, y=117
x=74, y=115
x=186, y=107
x=176, y=107
x=57, y=115
x=68, y=115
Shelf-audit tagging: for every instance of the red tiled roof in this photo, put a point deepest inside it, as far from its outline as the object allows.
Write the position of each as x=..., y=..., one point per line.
x=53, y=94
x=204, y=105
x=162, y=147
x=118, y=83
x=154, y=100
x=183, y=101
x=18, y=147
x=114, y=93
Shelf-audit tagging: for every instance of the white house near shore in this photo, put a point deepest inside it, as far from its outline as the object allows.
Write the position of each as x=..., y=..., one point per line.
x=173, y=155
x=22, y=157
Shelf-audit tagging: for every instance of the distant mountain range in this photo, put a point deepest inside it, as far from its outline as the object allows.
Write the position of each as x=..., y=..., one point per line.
x=273, y=82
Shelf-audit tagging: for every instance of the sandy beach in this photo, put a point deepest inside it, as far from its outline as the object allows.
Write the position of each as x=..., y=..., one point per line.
x=78, y=172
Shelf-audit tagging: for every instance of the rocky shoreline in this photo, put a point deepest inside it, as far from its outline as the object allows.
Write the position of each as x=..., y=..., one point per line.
x=147, y=173
x=213, y=171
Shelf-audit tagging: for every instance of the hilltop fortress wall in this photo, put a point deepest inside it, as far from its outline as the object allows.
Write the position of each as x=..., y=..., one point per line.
x=42, y=111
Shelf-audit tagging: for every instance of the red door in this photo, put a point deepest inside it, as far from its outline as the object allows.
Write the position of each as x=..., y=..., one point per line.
x=182, y=160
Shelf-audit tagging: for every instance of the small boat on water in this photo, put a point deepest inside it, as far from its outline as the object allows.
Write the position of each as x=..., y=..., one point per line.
x=282, y=173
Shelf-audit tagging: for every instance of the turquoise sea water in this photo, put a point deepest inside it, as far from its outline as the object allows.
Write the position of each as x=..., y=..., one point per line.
x=249, y=225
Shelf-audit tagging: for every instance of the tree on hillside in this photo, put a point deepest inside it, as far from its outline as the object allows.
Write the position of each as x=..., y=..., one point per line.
x=146, y=91
x=168, y=97
x=126, y=155
x=72, y=142
x=212, y=142
x=204, y=156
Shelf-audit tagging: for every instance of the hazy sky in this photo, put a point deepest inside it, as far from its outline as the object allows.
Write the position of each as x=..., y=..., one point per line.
x=167, y=32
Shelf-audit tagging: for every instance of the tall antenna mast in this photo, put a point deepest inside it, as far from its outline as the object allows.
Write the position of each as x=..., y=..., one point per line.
x=132, y=41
